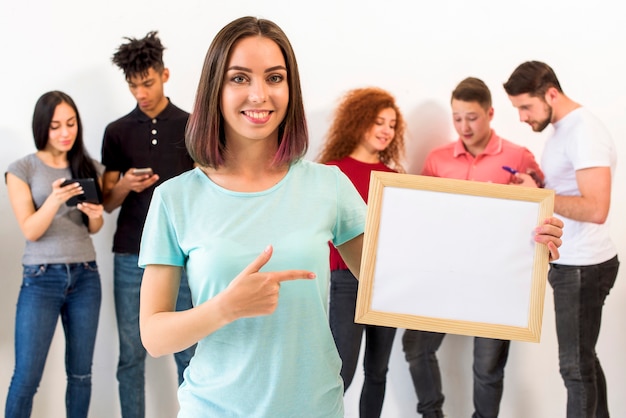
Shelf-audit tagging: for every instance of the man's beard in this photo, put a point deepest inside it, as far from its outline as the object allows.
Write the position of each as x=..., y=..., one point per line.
x=539, y=126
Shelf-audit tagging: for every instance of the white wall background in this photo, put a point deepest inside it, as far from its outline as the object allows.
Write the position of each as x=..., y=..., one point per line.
x=417, y=50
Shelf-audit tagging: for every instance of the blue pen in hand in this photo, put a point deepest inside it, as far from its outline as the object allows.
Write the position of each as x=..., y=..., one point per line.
x=538, y=181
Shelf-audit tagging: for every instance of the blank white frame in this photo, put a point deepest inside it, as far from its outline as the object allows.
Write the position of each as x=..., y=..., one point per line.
x=454, y=256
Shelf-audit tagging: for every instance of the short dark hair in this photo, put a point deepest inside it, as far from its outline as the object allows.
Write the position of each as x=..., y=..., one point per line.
x=205, y=138
x=137, y=56
x=473, y=89
x=532, y=77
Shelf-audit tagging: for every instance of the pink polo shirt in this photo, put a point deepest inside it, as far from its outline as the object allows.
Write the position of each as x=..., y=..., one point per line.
x=454, y=162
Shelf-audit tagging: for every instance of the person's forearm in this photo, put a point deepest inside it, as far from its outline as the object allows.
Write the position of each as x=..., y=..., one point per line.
x=581, y=209
x=170, y=332
x=95, y=224
x=115, y=197
x=36, y=225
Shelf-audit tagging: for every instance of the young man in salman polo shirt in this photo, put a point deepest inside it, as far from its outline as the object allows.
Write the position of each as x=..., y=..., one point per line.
x=479, y=155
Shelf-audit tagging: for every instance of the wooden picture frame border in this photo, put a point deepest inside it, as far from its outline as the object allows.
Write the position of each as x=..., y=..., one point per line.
x=412, y=184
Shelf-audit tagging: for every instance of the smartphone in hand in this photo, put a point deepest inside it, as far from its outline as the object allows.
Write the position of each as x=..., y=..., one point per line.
x=90, y=192
x=142, y=171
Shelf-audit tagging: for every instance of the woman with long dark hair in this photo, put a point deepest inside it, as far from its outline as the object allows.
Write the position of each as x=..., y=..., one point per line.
x=60, y=273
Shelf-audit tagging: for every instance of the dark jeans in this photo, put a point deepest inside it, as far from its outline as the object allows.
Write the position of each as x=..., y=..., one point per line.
x=131, y=365
x=71, y=291
x=348, y=336
x=579, y=294
x=420, y=349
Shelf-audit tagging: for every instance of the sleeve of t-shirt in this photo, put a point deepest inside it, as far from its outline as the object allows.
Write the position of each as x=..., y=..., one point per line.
x=591, y=147
x=19, y=169
x=159, y=243
x=110, y=152
x=351, y=211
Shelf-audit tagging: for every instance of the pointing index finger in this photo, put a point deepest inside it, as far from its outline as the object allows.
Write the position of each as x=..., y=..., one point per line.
x=288, y=275
x=278, y=276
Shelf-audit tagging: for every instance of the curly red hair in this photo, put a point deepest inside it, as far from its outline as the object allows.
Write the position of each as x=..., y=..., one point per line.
x=354, y=116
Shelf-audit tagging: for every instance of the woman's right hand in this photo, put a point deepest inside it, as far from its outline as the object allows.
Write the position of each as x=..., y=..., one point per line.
x=165, y=330
x=61, y=194
x=256, y=293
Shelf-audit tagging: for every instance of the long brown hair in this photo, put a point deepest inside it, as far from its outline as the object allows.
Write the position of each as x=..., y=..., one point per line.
x=205, y=138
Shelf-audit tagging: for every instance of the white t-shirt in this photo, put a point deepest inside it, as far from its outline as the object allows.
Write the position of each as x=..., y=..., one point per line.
x=579, y=141
x=280, y=365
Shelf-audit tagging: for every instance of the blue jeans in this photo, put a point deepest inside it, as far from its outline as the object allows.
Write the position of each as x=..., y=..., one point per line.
x=579, y=294
x=490, y=356
x=132, y=361
x=49, y=290
x=348, y=335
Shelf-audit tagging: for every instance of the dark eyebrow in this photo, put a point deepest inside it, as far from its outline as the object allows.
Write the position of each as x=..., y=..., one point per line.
x=245, y=69
x=278, y=67
x=59, y=121
x=142, y=82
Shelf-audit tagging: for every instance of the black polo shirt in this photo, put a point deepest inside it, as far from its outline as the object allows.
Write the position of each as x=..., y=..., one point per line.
x=135, y=140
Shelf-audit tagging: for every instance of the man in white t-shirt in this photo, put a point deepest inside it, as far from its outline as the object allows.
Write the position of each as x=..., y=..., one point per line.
x=578, y=162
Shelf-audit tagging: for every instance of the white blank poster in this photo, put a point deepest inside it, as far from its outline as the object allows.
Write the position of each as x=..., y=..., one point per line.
x=452, y=258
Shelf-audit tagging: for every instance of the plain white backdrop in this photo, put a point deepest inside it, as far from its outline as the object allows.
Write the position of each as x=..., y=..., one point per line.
x=417, y=50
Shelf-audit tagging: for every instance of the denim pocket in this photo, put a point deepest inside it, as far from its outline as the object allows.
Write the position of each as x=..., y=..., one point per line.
x=34, y=270
x=91, y=266
x=34, y=275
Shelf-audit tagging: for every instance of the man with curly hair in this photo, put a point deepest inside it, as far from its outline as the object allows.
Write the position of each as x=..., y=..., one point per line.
x=140, y=151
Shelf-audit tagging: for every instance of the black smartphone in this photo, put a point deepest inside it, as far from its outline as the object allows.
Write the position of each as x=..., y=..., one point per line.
x=90, y=192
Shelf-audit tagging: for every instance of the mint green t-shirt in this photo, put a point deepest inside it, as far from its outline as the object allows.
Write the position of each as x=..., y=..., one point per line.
x=280, y=365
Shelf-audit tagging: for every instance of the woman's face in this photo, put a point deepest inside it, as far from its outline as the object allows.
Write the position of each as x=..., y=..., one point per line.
x=63, y=129
x=378, y=137
x=255, y=93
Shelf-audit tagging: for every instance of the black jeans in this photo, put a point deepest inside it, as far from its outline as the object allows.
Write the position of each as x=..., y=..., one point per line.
x=348, y=335
x=490, y=356
x=579, y=294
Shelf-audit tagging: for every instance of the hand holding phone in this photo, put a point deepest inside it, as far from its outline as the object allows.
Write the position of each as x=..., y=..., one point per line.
x=90, y=192
x=139, y=179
